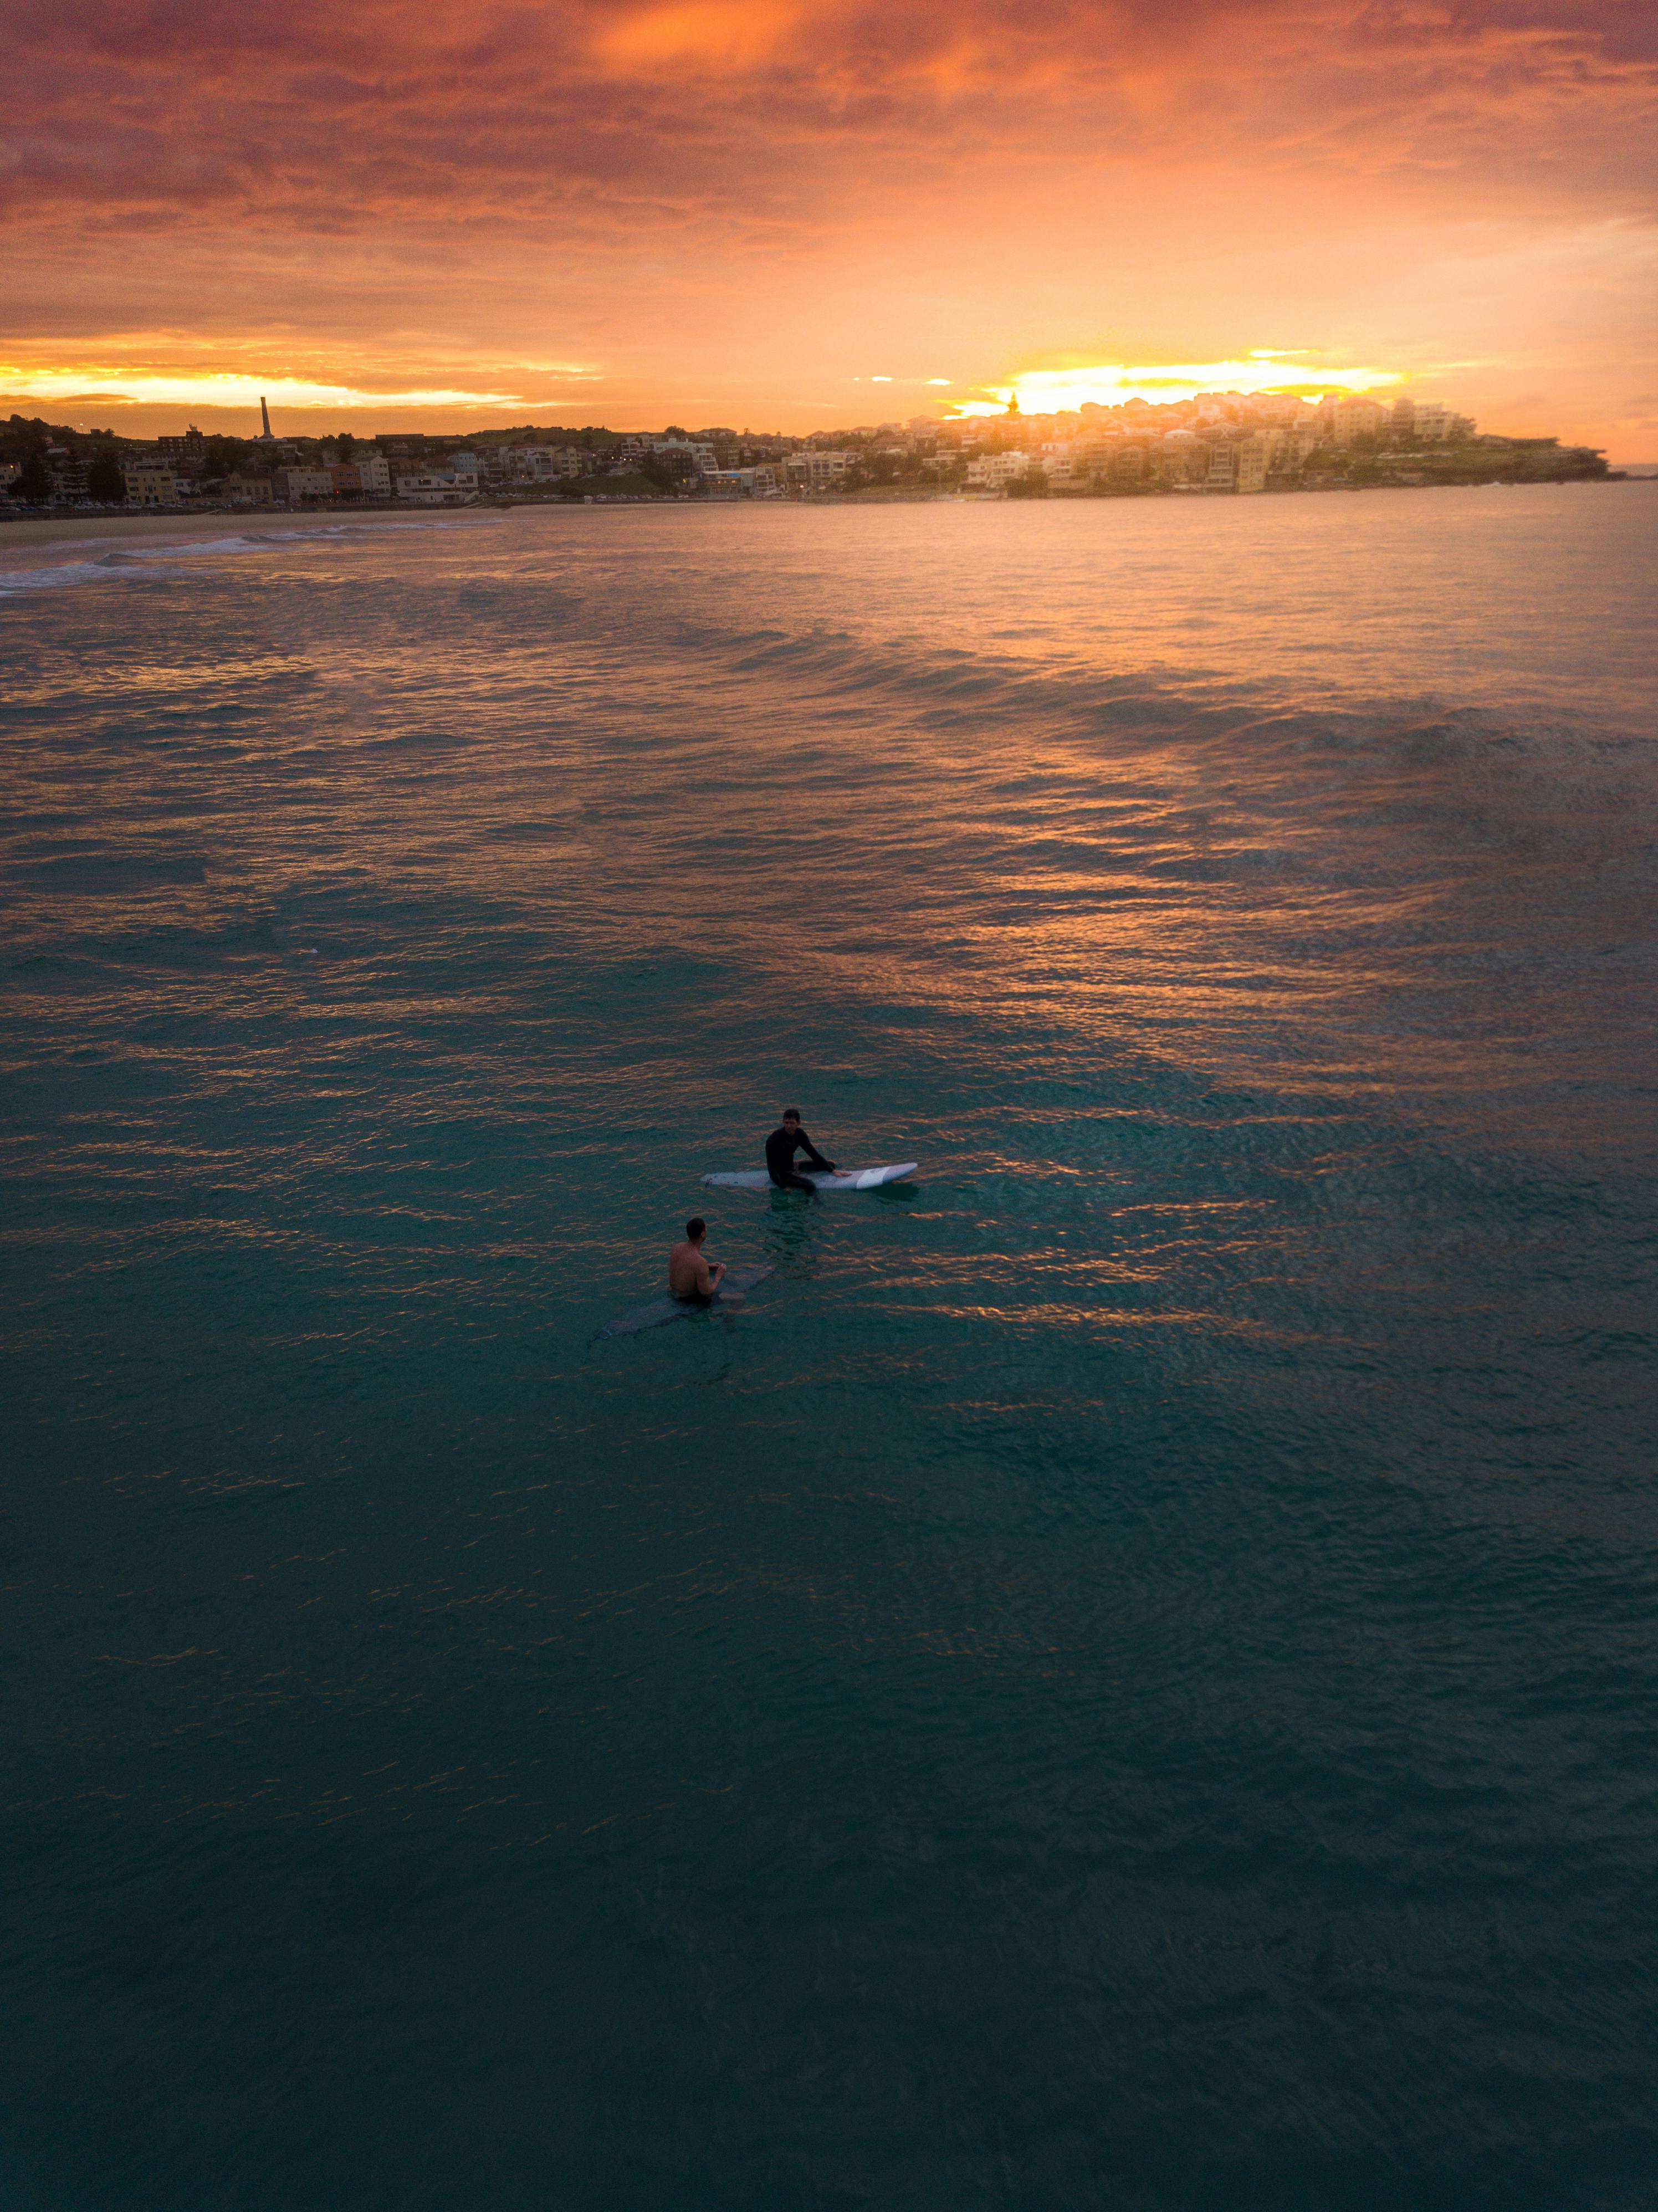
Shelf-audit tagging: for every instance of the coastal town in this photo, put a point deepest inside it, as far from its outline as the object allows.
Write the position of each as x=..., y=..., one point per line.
x=1218, y=443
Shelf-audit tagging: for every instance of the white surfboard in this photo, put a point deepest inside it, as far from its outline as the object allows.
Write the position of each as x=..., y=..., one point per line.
x=842, y=1179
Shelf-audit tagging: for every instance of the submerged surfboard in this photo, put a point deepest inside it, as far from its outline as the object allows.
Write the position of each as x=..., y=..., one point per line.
x=668, y=1307
x=842, y=1179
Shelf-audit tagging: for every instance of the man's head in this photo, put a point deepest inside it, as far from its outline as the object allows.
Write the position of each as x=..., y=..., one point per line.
x=791, y=1117
x=696, y=1229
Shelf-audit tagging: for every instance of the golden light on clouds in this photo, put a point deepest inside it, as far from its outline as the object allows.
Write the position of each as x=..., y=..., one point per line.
x=91, y=383
x=1109, y=384
x=703, y=34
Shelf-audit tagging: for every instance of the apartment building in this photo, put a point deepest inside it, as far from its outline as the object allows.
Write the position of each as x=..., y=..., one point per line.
x=1342, y=421
x=818, y=471
x=151, y=483
x=994, y=470
x=1252, y=458
x=532, y=464
x=294, y=485
x=365, y=476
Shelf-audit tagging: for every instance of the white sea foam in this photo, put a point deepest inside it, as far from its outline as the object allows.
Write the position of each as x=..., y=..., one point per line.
x=14, y=581
x=120, y=556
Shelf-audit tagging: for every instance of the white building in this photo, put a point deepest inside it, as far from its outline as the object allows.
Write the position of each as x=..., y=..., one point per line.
x=432, y=488
x=994, y=470
x=293, y=484
x=758, y=483
x=365, y=476
x=1222, y=472
x=818, y=471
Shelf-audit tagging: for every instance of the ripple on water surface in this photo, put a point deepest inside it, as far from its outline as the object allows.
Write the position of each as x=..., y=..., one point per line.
x=1121, y=1674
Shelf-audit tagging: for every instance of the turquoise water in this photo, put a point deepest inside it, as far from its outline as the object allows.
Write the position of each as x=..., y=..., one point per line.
x=1125, y=1676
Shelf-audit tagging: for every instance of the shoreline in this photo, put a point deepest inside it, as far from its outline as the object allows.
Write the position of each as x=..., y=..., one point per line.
x=60, y=529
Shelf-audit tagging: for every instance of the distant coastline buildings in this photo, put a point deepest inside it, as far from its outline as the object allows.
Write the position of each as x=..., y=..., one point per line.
x=1223, y=443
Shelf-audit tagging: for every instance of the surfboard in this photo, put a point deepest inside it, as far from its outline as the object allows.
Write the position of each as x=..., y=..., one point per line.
x=842, y=1179
x=668, y=1308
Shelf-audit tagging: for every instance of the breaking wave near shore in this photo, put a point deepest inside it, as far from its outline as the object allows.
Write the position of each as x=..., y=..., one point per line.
x=106, y=560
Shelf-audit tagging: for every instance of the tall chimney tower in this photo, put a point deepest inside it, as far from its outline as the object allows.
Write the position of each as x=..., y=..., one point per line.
x=264, y=417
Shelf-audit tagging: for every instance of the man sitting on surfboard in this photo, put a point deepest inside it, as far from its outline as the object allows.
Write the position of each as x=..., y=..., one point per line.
x=780, y=1148
x=690, y=1275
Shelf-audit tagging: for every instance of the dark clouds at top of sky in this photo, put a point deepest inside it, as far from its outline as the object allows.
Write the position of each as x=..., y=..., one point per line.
x=188, y=112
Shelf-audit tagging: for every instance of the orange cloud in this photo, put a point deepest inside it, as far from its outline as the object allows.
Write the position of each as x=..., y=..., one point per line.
x=728, y=196
x=704, y=36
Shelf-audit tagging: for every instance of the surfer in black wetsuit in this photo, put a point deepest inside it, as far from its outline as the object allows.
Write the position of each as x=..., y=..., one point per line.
x=782, y=1146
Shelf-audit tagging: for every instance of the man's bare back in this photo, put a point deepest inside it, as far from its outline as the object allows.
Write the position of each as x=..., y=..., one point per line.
x=691, y=1276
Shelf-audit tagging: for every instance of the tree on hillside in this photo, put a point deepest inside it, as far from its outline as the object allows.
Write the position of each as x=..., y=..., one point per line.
x=35, y=485
x=105, y=481
x=224, y=457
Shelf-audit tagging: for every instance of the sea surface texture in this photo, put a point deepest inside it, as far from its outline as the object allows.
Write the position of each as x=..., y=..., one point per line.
x=1125, y=1677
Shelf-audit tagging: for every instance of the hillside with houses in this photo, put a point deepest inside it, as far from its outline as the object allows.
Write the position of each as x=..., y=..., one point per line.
x=1218, y=443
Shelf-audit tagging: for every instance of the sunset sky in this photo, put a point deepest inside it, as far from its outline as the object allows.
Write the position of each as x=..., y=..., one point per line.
x=799, y=216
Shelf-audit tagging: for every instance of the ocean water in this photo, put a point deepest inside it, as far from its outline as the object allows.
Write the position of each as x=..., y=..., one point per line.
x=1126, y=1676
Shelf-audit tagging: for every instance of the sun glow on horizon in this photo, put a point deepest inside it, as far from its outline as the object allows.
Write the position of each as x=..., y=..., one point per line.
x=1109, y=384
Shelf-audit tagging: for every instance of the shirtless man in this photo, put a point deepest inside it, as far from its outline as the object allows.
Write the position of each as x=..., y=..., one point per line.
x=690, y=1275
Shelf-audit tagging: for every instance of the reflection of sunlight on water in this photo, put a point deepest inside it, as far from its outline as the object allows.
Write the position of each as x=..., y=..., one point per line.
x=1252, y=939
x=1245, y=914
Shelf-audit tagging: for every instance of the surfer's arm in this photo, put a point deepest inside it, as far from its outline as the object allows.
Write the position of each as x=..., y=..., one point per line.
x=815, y=1157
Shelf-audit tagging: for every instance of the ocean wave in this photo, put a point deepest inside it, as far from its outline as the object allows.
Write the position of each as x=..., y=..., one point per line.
x=122, y=558
x=1195, y=723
